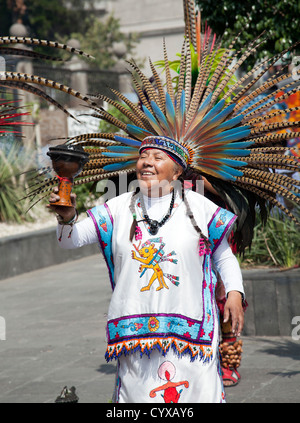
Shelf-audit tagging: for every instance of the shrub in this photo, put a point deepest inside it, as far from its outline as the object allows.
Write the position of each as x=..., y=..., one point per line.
x=11, y=187
x=275, y=244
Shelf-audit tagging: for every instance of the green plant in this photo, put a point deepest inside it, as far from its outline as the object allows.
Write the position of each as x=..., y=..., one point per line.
x=248, y=18
x=11, y=188
x=277, y=243
x=84, y=196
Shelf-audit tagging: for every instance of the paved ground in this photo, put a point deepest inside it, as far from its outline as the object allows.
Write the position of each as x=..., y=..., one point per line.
x=55, y=336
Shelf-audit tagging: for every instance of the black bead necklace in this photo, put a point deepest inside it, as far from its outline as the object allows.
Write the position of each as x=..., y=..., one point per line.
x=154, y=225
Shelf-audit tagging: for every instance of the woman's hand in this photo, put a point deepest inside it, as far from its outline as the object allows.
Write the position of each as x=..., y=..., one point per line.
x=66, y=213
x=234, y=310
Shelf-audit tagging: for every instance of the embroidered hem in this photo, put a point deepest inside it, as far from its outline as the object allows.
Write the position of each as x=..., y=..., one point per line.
x=203, y=352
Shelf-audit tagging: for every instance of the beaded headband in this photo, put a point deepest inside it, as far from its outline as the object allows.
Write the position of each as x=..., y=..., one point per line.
x=172, y=147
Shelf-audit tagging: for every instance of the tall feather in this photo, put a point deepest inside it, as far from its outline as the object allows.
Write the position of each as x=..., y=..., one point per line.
x=168, y=74
x=44, y=43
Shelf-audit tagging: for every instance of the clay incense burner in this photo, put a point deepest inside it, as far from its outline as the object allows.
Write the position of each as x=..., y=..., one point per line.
x=67, y=162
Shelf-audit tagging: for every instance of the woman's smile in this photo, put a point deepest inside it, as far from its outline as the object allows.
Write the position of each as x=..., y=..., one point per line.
x=147, y=173
x=155, y=165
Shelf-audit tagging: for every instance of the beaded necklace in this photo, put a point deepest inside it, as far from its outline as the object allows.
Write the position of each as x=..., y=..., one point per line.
x=154, y=225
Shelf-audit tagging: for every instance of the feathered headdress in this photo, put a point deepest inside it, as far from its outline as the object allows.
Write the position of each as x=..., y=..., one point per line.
x=216, y=127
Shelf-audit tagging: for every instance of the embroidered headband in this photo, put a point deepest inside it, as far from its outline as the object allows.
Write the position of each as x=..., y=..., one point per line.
x=173, y=148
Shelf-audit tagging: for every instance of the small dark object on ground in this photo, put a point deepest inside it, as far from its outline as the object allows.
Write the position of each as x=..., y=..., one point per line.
x=67, y=396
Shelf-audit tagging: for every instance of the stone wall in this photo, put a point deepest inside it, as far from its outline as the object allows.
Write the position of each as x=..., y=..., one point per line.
x=274, y=299
x=52, y=125
x=27, y=252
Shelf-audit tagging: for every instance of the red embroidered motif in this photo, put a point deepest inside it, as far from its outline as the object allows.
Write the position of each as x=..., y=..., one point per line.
x=167, y=371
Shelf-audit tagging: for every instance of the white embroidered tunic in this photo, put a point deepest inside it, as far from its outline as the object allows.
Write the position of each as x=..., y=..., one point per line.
x=163, y=291
x=163, y=301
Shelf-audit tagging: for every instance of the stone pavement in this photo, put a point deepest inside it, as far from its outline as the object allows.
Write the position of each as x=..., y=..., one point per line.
x=55, y=336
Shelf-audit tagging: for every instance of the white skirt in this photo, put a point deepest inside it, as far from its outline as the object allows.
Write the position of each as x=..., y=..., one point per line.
x=169, y=379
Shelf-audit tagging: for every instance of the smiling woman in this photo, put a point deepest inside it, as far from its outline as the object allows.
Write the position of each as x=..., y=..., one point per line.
x=163, y=280
x=165, y=245
x=156, y=170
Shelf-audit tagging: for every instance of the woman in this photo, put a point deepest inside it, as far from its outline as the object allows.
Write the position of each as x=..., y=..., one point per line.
x=162, y=275
x=161, y=244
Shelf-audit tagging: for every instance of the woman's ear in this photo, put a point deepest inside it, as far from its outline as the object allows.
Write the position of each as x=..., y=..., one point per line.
x=178, y=171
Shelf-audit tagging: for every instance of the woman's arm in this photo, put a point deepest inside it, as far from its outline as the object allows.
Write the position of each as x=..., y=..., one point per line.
x=80, y=234
x=72, y=235
x=228, y=267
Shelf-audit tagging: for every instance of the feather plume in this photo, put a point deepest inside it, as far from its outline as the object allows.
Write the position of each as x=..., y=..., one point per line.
x=181, y=79
x=45, y=43
x=130, y=115
x=33, y=90
x=168, y=74
x=148, y=87
x=135, y=109
x=230, y=126
x=24, y=77
x=190, y=21
x=159, y=86
x=26, y=53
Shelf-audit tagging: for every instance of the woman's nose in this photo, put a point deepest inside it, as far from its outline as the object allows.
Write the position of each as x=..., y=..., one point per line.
x=148, y=161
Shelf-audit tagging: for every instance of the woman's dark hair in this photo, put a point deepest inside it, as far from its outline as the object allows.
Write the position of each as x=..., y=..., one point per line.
x=190, y=213
x=133, y=212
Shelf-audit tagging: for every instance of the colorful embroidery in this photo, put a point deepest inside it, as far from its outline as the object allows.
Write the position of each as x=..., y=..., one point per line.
x=219, y=225
x=163, y=324
x=160, y=331
x=167, y=371
x=147, y=332
x=147, y=345
x=133, y=326
x=153, y=324
x=103, y=222
x=151, y=257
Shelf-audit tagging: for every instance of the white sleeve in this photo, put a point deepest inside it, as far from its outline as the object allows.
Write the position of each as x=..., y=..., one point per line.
x=83, y=233
x=228, y=267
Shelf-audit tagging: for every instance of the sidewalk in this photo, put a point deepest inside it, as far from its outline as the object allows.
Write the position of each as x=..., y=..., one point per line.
x=55, y=336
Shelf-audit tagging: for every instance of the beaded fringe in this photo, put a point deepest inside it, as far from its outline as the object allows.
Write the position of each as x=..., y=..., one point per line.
x=146, y=345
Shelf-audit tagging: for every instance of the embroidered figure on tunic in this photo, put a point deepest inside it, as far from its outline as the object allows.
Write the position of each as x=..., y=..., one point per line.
x=151, y=258
x=102, y=222
x=221, y=220
x=167, y=372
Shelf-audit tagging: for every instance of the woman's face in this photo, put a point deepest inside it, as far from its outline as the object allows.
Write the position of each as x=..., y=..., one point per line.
x=155, y=171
